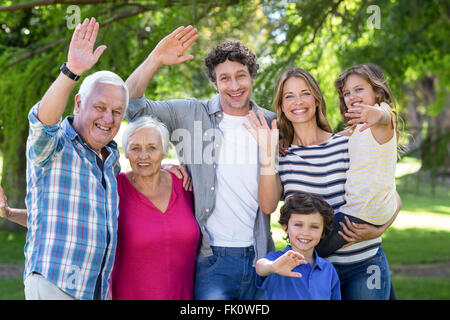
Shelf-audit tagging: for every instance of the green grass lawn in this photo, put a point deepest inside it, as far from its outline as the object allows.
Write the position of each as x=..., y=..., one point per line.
x=421, y=288
x=11, y=289
x=11, y=252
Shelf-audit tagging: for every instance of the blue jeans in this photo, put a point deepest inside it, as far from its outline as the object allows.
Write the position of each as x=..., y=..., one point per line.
x=365, y=280
x=226, y=275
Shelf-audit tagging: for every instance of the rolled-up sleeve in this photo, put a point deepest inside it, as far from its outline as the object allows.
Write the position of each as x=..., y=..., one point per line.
x=171, y=112
x=43, y=141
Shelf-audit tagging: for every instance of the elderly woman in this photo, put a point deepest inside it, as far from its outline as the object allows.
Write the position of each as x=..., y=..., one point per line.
x=157, y=233
x=157, y=230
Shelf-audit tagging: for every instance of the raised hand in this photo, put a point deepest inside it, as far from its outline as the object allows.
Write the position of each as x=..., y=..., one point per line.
x=4, y=210
x=171, y=48
x=267, y=138
x=369, y=115
x=81, y=56
x=288, y=261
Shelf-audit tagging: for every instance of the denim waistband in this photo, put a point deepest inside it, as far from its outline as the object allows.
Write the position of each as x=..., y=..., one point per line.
x=237, y=251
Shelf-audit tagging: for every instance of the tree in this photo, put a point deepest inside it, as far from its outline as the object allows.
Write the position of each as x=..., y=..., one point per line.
x=34, y=37
x=407, y=39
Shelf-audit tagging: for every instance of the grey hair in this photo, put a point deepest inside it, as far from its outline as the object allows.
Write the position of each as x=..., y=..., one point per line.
x=105, y=77
x=143, y=123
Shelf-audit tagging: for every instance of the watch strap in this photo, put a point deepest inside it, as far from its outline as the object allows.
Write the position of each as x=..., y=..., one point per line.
x=69, y=73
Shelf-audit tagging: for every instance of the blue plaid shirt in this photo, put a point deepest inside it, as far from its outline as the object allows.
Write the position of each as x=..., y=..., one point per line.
x=72, y=204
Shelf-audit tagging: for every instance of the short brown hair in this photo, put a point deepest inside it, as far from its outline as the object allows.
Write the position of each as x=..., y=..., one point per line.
x=307, y=203
x=232, y=50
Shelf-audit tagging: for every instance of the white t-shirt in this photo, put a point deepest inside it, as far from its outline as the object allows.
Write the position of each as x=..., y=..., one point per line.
x=231, y=224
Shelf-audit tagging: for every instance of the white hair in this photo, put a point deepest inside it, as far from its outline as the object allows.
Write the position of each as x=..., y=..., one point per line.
x=105, y=77
x=143, y=123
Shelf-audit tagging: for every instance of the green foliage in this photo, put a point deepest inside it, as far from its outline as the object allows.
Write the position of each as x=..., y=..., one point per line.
x=12, y=247
x=321, y=36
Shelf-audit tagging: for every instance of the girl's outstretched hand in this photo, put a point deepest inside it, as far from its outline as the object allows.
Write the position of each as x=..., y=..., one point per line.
x=369, y=115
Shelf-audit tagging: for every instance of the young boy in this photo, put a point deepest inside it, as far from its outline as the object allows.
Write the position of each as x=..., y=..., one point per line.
x=298, y=273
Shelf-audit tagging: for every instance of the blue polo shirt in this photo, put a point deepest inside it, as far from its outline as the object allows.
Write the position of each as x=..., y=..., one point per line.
x=319, y=282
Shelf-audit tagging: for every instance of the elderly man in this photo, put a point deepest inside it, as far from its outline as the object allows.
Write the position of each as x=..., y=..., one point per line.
x=72, y=165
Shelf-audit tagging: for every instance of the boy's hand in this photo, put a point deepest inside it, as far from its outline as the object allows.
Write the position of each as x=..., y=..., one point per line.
x=288, y=261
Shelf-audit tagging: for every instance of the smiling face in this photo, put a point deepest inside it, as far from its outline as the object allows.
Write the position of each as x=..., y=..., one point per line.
x=99, y=119
x=234, y=85
x=358, y=90
x=298, y=103
x=305, y=232
x=145, y=152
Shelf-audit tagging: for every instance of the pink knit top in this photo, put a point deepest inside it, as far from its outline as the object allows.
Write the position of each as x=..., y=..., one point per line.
x=155, y=254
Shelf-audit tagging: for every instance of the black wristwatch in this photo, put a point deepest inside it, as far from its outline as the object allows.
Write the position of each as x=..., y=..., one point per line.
x=69, y=73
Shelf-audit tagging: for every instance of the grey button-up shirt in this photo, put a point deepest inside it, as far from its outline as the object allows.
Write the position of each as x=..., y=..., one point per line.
x=194, y=130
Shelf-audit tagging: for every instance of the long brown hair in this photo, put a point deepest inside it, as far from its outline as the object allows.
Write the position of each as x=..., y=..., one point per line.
x=284, y=124
x=375, y=77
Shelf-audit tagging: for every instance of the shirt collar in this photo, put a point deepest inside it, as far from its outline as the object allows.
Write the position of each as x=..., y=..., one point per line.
x=72, y=134
x=319, y=261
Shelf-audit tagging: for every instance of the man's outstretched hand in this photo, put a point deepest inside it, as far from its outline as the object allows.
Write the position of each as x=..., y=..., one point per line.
x=170, y=49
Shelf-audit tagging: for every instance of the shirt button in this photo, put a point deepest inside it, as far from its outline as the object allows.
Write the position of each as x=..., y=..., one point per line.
x=207, y=210
x=212, y=188
x=205, y=134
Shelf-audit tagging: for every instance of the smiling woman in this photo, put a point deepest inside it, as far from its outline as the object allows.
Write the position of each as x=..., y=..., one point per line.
x=157, y=233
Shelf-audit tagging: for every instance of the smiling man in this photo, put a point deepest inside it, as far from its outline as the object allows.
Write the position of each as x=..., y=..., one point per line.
x=72, y=165
x=222, y=158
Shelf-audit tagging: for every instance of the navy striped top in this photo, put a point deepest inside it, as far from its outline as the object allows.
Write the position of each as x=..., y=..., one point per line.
x=321, y=169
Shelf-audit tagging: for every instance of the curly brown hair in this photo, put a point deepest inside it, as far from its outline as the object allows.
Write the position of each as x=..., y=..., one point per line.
x=232, y=50
x=307, y=203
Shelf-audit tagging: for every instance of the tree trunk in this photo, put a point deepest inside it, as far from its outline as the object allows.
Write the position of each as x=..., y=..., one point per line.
x=435, y=148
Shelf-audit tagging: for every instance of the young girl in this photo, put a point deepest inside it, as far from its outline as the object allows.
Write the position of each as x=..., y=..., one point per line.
x=298, y=272
x=365, y=103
